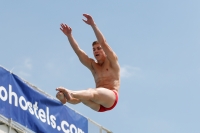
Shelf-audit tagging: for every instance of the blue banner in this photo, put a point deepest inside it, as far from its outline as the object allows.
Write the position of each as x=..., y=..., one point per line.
x=34, y=110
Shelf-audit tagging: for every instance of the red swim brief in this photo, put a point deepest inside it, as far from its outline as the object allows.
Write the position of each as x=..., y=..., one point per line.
x=103, y=109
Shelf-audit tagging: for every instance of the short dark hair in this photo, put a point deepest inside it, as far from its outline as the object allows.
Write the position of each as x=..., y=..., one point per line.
x=95, y=42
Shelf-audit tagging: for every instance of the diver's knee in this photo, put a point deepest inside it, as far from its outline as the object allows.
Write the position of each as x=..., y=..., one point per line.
x=92, y=93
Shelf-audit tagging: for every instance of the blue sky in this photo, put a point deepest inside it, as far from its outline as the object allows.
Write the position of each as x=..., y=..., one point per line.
x=157, y=43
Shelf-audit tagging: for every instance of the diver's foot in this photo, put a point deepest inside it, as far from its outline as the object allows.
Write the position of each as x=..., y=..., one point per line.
x=61, y=97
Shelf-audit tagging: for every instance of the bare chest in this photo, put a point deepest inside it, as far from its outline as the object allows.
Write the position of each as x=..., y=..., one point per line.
x=104, y=71
x=105, y=76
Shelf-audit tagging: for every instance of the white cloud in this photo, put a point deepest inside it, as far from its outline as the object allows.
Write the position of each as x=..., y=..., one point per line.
x=27, y=63
x=53, y=67
x=23, y=74
x=129, y=71
x=24, y=69
x=50, y=66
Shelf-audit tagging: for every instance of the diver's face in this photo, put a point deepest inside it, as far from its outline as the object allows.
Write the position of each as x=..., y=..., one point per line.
x=98, y=52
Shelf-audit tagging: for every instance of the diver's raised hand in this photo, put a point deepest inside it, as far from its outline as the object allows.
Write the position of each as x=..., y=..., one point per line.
x=66, y=29
x=89, y=20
